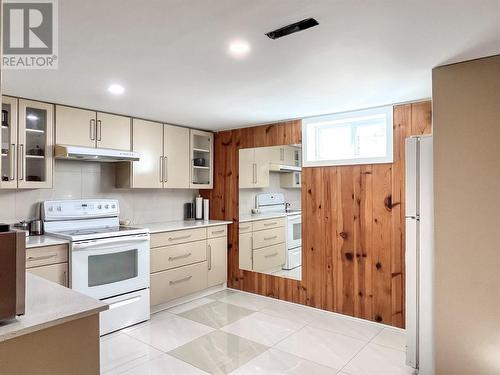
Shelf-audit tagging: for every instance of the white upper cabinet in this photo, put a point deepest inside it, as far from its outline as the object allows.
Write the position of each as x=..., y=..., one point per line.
x=82, y=127
x=75, y=126
x=113, y=131
x=148, y=141
x=202, y=159
x=254, y=167
x=8, y=142
x=175, y=157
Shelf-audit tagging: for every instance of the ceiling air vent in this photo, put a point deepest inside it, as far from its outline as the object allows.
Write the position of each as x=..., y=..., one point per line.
x=292, y=28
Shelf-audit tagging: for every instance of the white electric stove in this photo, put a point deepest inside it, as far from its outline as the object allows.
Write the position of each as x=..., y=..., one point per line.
x=107, y=261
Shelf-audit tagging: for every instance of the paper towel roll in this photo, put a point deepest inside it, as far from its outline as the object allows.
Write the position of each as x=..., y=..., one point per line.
x=199, y=207
x=205, y=209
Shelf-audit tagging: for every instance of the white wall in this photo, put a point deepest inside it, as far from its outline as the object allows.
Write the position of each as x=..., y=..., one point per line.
x=466, y=100
x=247, y=196
x=75, y=180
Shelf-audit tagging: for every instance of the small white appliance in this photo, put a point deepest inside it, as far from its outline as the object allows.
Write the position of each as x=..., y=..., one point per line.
x=107, y=262
x=419, y=255
x=275, y=202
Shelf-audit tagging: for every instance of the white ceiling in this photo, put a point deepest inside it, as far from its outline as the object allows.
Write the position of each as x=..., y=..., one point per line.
x=172, y=56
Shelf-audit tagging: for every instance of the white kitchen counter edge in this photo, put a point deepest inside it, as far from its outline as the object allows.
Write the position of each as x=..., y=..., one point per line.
x=47, y=305
x=44, y=240
x=169, y=226
x=256, y=217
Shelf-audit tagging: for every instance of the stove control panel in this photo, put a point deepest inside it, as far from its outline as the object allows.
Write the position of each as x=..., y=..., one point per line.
x=79, y=209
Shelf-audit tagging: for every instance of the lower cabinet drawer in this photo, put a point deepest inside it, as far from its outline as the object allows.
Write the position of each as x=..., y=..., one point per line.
x=269, y=257
x=57, y=273
x=217, y=231
x=268, y=237
x=168, y=257
x=42, y=256
x=177, y=236
x=171, y=284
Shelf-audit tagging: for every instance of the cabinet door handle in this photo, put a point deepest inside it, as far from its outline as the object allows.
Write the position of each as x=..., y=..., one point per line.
x=12, y=161
x=187, y=255
x=179, y=238
x=282, y=154
x=218, y=231
x=161, y=168
x=254, y=167
x=270, y=238
x=20, y=161
x=165, y=169
x=99, y=130
x=41, y=257
x=187, y=278
x=209, y=247
x=92, y=130
x=270, y=255
x=268, y=224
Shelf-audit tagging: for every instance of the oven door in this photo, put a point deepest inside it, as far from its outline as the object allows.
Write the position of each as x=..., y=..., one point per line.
x=294, y=231
x=111, y=266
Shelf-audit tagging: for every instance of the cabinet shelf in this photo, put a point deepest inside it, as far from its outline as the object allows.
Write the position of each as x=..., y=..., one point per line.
x=201, y=150
x=35, y=131
x=35, y=157
x=5, y=127
x=4, y=155
x=199, y=167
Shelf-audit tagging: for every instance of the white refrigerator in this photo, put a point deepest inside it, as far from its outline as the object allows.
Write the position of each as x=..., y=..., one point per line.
x=419, y=255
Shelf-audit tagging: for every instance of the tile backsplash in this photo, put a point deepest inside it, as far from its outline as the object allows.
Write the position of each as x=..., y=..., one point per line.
x=79, y=180
x=247, y=196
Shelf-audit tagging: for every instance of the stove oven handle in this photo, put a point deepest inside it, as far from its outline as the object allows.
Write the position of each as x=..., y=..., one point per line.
x=111, y=241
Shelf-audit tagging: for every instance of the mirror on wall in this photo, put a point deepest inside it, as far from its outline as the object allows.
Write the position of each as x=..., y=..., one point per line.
x=270, y=229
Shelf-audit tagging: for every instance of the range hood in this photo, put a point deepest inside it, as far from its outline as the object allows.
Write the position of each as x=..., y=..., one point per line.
x=94, y=154
x=283, y=168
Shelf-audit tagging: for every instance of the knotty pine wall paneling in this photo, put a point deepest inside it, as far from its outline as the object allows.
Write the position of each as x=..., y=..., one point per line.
x=352, y=223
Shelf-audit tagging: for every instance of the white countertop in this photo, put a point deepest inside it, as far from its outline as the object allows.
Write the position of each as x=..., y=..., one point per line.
x=180, y=224
x=244, y=218
x=49, y=304
x=39, y=241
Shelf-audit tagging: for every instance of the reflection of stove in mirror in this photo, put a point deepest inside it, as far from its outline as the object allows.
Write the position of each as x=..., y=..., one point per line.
x=275, y=202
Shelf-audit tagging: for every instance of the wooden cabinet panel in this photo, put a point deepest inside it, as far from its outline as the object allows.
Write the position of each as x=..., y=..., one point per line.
x=217, y=261
x=176, y=157
x=177, y=236
x=245, y=251
x=167, y=257
x=268, y=237
x=42, y=256
x=171, y=284
x=148, y=141
x=269, y=257
x=217, y=231
x=268, y=223
x=57, y=273
x=113, y=131
x=75, y=126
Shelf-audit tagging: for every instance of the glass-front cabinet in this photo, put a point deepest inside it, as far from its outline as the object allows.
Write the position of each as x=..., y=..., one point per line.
x=202, y=159
x=27, y=144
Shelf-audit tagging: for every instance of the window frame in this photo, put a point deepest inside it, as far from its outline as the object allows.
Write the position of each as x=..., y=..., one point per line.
x=389, y=158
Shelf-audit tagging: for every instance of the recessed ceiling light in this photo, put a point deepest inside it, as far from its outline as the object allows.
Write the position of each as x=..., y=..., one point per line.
x=239, y=48
x=116, y=89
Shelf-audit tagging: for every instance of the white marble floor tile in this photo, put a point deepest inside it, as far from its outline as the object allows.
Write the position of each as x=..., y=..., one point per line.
x=222, y=294
x=323, y=347
x=165, y=364
x=391, y=338
x=290, y=311
x=274, y=362
x=167, y=334
x=248, y=301
x=262, y=328
x=120, y=352
x=378, y=360
x=217, y=314
x=179, y=309
x=218, y=352
x=350, y=327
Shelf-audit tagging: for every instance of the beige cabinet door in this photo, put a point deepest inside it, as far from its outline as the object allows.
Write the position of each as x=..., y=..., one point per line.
x=57, y=273
x=8, y=143
x=245, y=250
x=289, y=155
x=261, y=168
x=113, y=131
x=148, y=141
x=35, y=160
x=75, y=126
x=246, y=168
x=217, y=261
x=176, y=157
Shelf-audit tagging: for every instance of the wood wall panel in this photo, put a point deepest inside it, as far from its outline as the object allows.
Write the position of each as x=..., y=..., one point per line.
x=353, y=223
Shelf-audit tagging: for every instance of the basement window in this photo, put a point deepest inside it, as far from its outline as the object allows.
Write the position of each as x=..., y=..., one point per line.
x=359, y=137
